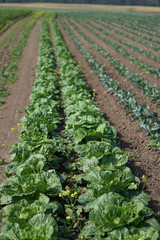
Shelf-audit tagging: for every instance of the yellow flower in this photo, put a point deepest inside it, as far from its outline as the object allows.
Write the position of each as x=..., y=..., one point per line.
x=143, y=177
x=67, y=192
x=12, y=129
x=68, y=217
x=82, y=237
x=62, y=74
x=140, y=238
x=132, y=183
x=59, y=82
x=89, y=95
x=60, y=194
x=135, y=187
x=72, y=195
x=3, y=145
x=94, y=90
x=75, y=193
x=75, y=176
x=22, y=126
x=18, y=124
x=67, y=188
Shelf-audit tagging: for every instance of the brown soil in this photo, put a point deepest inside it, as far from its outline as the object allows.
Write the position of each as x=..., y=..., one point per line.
x=19, y=97
x=126, y=85
x=147, y=60
x=145, y=160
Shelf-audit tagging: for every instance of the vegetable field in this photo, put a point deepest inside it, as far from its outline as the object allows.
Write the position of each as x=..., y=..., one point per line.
x=86, y=165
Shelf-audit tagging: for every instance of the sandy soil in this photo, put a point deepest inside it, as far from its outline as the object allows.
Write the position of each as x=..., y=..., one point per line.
x=144, y=160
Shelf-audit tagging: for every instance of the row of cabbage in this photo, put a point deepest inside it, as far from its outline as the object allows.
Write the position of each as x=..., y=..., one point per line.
x=147, y=120
x=109, y=201
x=29, y=196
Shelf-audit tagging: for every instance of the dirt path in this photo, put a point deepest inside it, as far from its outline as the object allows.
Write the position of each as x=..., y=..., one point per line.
x=19, y=97
x=145, y=160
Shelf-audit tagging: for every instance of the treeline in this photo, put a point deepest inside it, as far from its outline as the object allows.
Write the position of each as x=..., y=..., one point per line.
x=113, y=2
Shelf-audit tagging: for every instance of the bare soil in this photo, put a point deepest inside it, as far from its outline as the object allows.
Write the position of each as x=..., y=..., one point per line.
x=18, y=100
x=144, y=160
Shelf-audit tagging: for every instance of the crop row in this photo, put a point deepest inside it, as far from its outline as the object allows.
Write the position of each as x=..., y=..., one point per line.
x=147, y=120
x=29, y=213
x=133, y=59
x=147, y=89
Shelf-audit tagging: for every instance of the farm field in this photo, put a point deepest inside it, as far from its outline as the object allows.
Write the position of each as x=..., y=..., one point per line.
x=86, y=164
